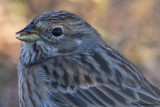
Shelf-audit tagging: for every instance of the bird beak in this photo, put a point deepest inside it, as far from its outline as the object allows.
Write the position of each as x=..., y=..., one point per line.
x=28, y=34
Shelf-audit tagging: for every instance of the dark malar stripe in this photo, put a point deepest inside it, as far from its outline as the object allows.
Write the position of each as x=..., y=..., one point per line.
x=102, y=63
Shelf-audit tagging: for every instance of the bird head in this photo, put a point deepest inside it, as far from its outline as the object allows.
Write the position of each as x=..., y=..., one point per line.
x=58, y=33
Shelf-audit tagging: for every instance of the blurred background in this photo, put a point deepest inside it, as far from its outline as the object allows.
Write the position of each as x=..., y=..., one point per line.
x=130, y=26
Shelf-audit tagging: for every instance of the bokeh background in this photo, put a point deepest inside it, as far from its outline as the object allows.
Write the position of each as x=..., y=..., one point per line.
x=130, y=26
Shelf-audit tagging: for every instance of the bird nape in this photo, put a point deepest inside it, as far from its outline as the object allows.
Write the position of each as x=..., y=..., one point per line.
x=64, y=62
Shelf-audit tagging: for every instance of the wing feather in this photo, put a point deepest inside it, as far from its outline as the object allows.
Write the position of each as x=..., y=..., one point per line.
x=97, y=88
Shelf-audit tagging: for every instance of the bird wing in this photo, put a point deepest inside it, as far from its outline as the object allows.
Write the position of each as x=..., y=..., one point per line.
x=101, y=78
x=104, y=96
x=93, y=96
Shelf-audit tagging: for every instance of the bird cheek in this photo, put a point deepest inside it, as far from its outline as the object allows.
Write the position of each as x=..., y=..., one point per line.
x=67, y=46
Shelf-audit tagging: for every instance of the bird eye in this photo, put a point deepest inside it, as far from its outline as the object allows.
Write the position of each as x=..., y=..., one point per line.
x=57, y=32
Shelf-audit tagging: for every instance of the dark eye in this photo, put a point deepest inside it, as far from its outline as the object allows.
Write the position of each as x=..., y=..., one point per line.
x=57, y=32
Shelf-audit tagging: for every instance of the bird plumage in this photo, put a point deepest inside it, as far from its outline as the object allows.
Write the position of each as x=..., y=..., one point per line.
x=78, y=69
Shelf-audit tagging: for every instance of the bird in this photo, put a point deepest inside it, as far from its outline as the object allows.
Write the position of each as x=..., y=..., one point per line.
x=64, y=62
